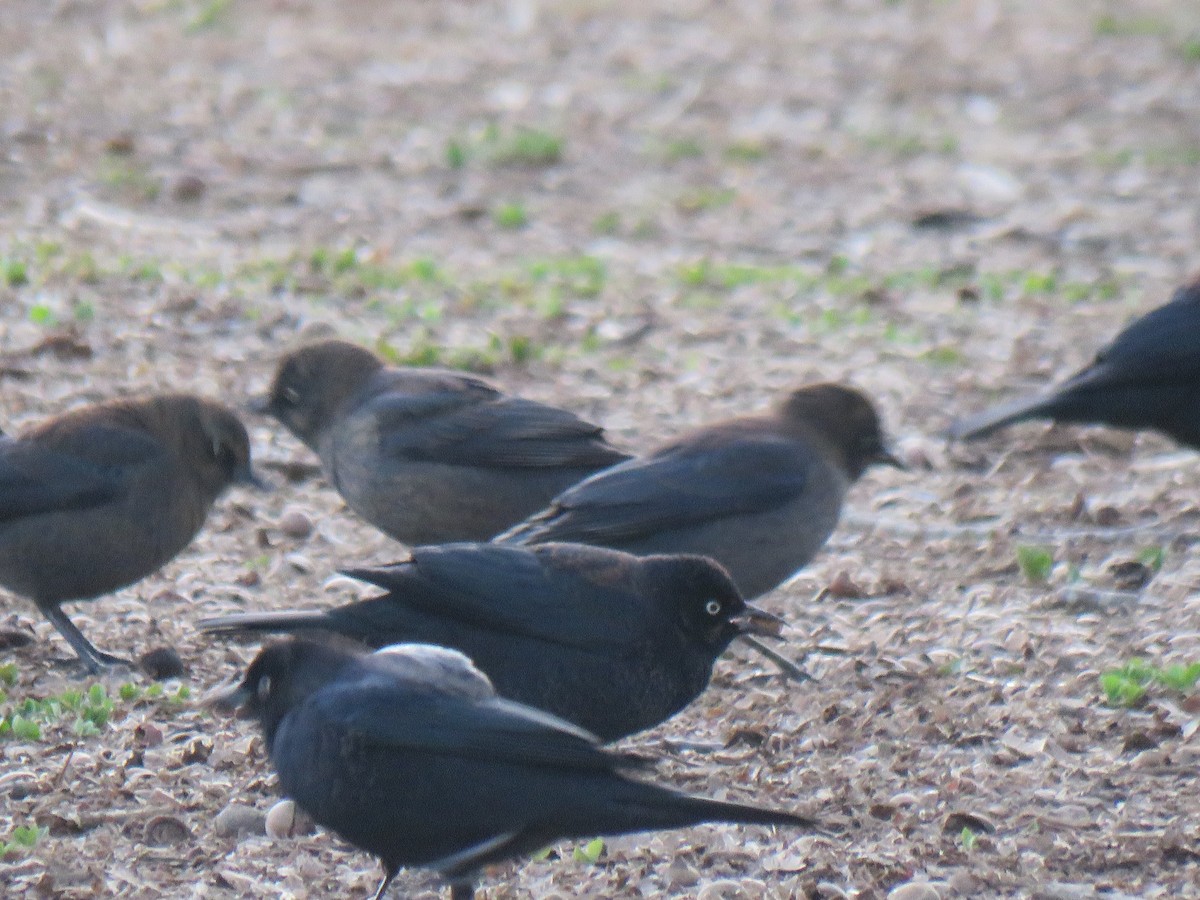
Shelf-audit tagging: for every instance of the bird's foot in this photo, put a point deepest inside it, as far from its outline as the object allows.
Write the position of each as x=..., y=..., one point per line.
x=385, y=884
x=98, y=661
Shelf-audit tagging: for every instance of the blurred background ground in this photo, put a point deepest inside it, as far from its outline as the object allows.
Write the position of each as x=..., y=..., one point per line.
x=656, y=214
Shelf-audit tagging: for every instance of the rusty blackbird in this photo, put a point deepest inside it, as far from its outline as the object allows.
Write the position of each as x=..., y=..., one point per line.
x=429, y=456
x=98, y=498
x=1147, y=378
x=409, y=755
x=613, y=642
x=759, y=494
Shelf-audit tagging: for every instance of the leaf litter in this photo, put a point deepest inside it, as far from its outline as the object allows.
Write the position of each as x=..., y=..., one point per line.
x=945, y=203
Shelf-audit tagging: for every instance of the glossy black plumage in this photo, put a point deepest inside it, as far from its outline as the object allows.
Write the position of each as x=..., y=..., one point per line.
x=759, y=494
x=98, y=498
x=430, y=456
x=1147, y=378
x=408, y=755
x=612, y=642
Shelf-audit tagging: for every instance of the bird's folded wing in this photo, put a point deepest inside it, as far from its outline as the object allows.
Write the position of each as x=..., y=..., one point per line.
x=508, y=590
x=679, y=487
x=1162, y=347
x=84, y=468
x=393, y=716
x=406, y=403
x=1172, y=360
x=506, y=432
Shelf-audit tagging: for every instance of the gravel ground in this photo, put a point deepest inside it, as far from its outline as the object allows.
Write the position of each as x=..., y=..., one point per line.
x=656, y=214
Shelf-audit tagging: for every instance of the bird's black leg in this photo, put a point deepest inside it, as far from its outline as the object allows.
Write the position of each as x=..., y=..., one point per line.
x=93, y=660
x=387, y=880
x=786, y=667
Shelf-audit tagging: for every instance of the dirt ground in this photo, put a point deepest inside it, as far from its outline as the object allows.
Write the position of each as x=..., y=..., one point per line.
x=656, y=214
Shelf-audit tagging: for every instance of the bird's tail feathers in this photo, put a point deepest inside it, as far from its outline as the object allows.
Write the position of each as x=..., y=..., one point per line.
x=290, y=620
x=992, y=420
x=653, y=808
x=638, y=807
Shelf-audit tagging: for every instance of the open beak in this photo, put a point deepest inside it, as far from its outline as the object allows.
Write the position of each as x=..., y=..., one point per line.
x=233, y=699
x=753, y=620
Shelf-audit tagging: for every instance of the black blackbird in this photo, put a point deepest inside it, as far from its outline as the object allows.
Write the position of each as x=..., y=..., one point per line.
x=1147, y=378
x=612, y=642
x=98, y=498
x=408, y=754
x=426, y=455
x=759, y=494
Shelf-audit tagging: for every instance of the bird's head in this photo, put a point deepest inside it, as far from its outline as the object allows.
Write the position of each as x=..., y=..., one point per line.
x=843, y=418
x=707, y=607
x=312, y=384
x=281, y=677
x=209, y=439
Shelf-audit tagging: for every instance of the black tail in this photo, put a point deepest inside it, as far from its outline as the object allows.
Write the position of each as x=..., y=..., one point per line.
x=661, y=808
x=288, y=621
x=627, y=807
x=631, y=805
x=992, y=420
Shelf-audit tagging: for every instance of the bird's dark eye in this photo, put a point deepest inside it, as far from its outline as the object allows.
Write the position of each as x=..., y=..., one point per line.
x=264, y=688
x=713, y=607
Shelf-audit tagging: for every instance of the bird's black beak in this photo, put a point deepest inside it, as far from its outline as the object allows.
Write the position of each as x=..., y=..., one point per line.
x=753, y=620
x=263, y=405
x=885, y=457
x=233, y=699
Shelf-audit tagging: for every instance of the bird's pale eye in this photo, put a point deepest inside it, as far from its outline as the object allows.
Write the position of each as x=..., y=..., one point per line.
x=264, y=688
x=713, y=607
x=291, y=395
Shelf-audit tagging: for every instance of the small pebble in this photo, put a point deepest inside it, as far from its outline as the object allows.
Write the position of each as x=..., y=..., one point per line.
x=19, y=789
x=286, y=820
x=238, y=820
x=120, y=144
x=12, y=638
x=914, y=890
x=956, y=821
x=188, y=188
x=1061, y=890
x=843, y=587
x=165, y=831
x=729, y=889
x=162, y=663
x=148, y=734
x=295, y=524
